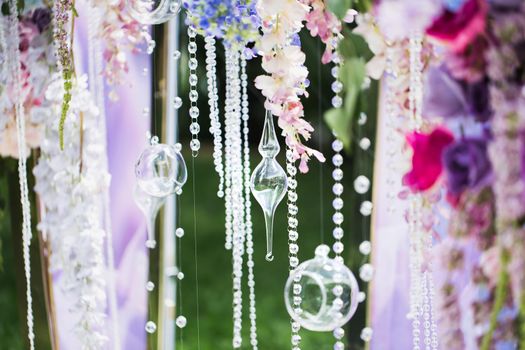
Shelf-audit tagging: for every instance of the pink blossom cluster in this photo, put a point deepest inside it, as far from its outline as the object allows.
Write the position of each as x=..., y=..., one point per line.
x=323, y=23
x=121, y=35
x=37, y=60
x=286, y=81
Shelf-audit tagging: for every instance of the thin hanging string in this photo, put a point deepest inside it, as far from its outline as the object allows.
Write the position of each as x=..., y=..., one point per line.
x=179, y=284
x=16, y=78
x=154, y=85
x=362, y=170
x=196, y=253
x=320, y=133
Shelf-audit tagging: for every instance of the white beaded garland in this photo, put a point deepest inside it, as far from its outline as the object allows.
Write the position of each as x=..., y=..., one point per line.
x=293, y=235
x=193, y=94
x=11, y=43
x=338, y=232
x=213, y=102
x=248, y=216
x=420, y=240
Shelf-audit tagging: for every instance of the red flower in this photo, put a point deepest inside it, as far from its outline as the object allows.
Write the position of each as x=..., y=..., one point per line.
x=427, y=164
x=459, y=29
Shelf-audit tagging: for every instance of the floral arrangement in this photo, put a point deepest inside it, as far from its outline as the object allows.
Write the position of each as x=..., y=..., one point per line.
x=71, y=192
x=38, y=62
x=471, y=146
x=63, y=40
x=121, y=35
x=235, y=22
x=284, y=61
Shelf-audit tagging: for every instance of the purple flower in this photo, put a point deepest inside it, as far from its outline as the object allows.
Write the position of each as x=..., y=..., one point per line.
x=42, y=18
x=478, y=99
x=467, y=164
x=449, y=98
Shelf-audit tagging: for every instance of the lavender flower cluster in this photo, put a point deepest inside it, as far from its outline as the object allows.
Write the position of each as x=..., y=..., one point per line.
x=62, y=13
x=236, y=22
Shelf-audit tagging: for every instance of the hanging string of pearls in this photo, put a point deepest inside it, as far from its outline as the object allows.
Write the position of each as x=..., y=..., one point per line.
x=236, y=223
x=12, y=43
x=248, y=204
x=394, y=141
x=338, y=232
x=213, y=102
x=421, y=280
x=195, y=144
x=293, y=247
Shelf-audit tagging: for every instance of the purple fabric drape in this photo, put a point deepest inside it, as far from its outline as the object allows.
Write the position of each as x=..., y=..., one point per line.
x=389, y=302
x=126, y=130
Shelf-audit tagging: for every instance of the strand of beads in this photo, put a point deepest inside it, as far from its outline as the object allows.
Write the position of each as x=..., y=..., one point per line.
x=414, y=205
x=16, y=81
x=236, y=181
x=421, y=295
x=181, y=320
x=338, y=232
x=392, y=137
x=194, y=95
x=337, y=85
x=248, y=205
x=213, y=102
x=227, y=159
x=361, y=187
x=293, y=247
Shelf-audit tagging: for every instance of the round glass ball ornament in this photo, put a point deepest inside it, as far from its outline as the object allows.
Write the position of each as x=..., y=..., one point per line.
x=328, y=292
x=153, y=11
x=161, y=170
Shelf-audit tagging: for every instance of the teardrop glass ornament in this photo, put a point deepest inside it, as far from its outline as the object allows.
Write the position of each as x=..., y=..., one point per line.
x=161, y=170
x=150, y=206
x=269, y=181
x=153, y=11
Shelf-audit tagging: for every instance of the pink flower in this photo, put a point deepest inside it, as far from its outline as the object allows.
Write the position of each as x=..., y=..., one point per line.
x=427, y=164
x=459, y=29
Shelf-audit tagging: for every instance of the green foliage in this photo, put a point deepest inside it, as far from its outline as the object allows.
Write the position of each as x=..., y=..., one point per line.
x=339, y=120
x=354, y=52
x=339, y=7
x=5, y=7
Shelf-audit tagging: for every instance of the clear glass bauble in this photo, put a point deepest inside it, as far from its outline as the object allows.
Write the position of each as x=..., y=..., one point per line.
x=161, y=170
x=327, y=290
x=153, y=11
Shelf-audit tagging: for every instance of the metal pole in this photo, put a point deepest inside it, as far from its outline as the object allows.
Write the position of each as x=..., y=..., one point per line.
x=168, y=284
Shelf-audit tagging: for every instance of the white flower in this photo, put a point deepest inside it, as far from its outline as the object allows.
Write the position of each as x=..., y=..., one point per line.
x=73, y=204
x=291, y=12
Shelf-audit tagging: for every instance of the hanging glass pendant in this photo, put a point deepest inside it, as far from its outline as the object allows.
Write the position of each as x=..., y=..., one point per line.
x=153, y=11
x=269, y=181
x=161, y=170
x=321, y=294
x=150, y=206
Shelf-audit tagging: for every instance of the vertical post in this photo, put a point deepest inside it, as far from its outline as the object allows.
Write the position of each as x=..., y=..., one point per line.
x=167, y=290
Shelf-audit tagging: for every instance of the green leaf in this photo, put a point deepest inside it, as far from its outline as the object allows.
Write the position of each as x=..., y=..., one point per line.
x=340, y=124
x=351, y=74
x=339, y=7
x=354, y=46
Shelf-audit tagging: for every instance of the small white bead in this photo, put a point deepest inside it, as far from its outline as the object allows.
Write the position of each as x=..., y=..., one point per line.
x=151, y=327
x=365, y=247
x=366, y=334
x=179, y=232
x=181, y=321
